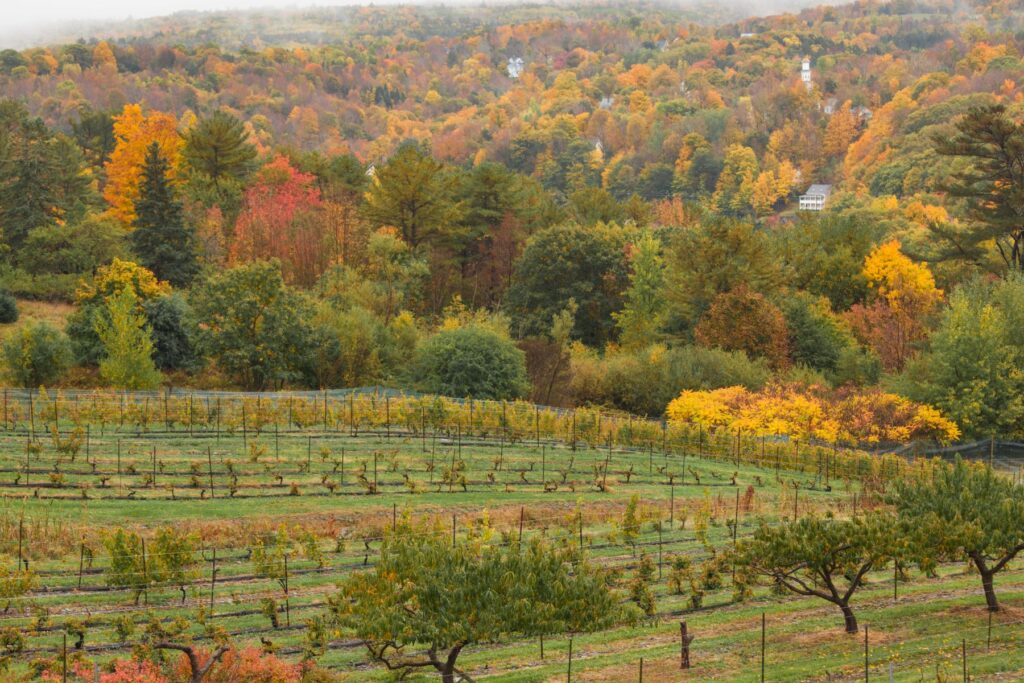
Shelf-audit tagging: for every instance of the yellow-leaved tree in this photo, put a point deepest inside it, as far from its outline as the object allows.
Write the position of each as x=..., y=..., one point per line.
x=135, y=132
x=895, y=323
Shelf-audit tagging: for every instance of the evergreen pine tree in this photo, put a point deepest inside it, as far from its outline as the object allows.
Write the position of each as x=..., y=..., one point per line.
x=218, y=147
x=27, y=196
x=161, y=240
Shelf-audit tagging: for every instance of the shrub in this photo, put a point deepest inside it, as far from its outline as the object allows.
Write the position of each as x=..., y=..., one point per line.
x=644, y=381
x=8, y=308
x=817, y=338
x=174, y=332
x=36, y=354
x=470, y=361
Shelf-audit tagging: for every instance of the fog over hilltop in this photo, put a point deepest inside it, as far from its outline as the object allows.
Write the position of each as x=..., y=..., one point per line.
x=25, y=25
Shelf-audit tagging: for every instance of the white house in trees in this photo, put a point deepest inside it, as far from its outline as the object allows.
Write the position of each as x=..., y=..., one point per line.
x=815, y=197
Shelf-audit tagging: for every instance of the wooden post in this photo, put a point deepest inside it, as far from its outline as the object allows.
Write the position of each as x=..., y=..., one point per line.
x=684, y=646
x=581, y=529
x=542, y=646
x=453, y=530
x=866, y=667
x=287, y=605
x=641, y=670
x=963, y=650
x=145, y=571
x=64, y=651
x=209, y=464
x=574, y=430
x=736, y=518
x=522, y=513
x=672, y=504
x=569, y=671
x=537, y=424
x=762, y=645
x=213, y=580
x=21, y=535
x=659, y=552
x=81, y=564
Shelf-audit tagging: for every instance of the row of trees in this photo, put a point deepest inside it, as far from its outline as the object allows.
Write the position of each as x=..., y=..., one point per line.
x=965, y=512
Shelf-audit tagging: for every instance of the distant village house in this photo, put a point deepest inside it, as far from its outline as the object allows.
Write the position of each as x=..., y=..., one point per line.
x=815, y=197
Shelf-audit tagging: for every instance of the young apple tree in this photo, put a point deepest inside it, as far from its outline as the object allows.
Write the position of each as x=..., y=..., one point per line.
x=965, y=510
x=823, y=558
x=427, y=598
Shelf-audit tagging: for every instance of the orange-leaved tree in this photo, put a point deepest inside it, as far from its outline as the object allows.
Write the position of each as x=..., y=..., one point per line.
x=135, y=132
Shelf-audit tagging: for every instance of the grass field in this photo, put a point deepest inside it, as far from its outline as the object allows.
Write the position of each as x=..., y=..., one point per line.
x=54, y=313
x=336, y=489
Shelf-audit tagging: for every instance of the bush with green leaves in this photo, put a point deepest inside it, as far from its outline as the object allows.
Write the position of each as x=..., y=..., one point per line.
x=817, y=338
x=174, y=331
x=36, y=354
x=643, y=382
x=470, y=361
x=8, y=308
x=972, y=369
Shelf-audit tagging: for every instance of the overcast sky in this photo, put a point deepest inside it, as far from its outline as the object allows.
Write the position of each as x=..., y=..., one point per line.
x=36, y=12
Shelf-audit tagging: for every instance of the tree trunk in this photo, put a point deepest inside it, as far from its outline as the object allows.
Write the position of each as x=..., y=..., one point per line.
x=447, y=669
x=849, y=618
x=990, y=591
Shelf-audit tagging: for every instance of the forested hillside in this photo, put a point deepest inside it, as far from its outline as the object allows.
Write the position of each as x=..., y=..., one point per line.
x=575, y=204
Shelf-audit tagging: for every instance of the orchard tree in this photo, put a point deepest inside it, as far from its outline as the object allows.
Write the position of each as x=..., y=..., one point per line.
x=965, y=510
x=161, y=239
x=822, y=558
x=424, y=590
x=127, y=568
